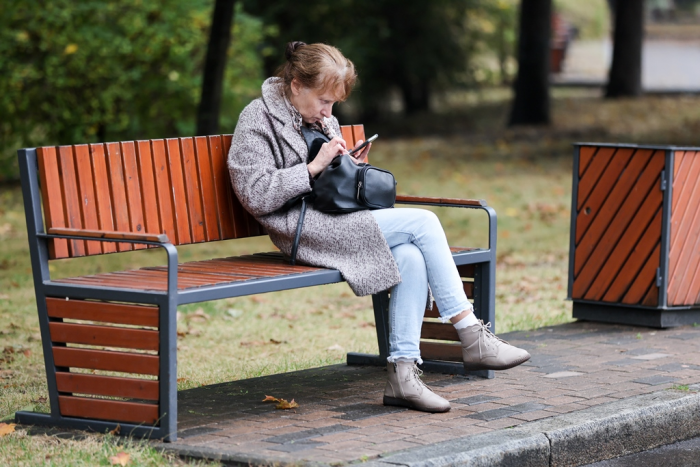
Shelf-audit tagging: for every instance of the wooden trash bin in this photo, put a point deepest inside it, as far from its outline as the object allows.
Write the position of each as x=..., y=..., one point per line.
x=634, y=255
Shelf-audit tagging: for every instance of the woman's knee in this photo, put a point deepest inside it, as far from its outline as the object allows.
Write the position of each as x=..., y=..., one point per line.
x=408, y=257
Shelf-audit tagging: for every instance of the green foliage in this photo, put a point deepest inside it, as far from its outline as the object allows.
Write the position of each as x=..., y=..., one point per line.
x=411, y=46
x=96, y=70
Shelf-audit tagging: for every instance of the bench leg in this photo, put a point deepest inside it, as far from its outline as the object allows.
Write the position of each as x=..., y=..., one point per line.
x=380, y=302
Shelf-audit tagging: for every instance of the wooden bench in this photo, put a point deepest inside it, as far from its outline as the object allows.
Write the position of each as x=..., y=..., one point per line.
x=91, y=199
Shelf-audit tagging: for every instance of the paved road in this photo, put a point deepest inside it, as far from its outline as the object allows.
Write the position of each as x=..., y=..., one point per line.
x=666, y=65
x=683, y=454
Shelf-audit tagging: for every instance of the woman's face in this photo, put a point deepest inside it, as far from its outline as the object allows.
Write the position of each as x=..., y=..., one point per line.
x=312, y=104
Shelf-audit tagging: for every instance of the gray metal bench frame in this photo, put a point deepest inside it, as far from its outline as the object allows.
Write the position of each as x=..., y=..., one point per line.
x=484, y=296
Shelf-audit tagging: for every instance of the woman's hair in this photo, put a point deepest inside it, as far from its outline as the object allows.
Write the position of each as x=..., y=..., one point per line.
x=318, y=66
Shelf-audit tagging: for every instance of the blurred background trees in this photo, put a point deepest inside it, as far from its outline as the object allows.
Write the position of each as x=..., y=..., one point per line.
x=105, y=70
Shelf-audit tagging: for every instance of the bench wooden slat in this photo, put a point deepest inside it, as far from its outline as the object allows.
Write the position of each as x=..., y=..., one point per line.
x=149, y=198
x=190, y=168
x=346, y=132
x=87, y=194
x=454, y=201
x=133, y=190
x=101, y=409
x=208, y=189
x=107, y=386
x=107, y=336
x=358, y=133
x=179, y=196
x=466, y=270
x=71, y=197
x=120, y=207
x=164, y=200
x=107, y=360
x=52, y=198
x=161, y=238
x=440, y=331
x=116, y=313
x=439, y=351
x=435, y=311
x=224, y=199
x=102, y=193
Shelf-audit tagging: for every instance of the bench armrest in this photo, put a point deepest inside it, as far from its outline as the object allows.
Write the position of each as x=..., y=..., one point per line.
x=158, y=240
x=101, y=234
x=457, y=203
x=465, y=203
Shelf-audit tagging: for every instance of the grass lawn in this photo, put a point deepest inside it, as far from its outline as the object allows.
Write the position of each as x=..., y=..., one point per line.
x=524, y=174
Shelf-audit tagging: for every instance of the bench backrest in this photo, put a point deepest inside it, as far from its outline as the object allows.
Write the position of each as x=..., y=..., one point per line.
x=178, y=186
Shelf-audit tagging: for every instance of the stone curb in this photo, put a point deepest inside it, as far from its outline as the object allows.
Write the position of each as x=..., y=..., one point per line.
x=583, y=437
x=602, y=432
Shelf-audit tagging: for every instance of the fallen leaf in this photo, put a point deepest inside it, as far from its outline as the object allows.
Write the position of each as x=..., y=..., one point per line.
x=284, y=405
x=121, y=459
x=27, y=352
x=257, y=299
x=234, y=313
x=116, y=431
x=8, y=350
x=40, y=400
x=336, y=347
x=252, y=343
x=368, y=324
x=6, y=429
x=347, y=314
x=181, y=380
x=181, y=334
x=198, y=316
x=276, y=342
x=34, y=337
x=5, y=374
x=270, y=399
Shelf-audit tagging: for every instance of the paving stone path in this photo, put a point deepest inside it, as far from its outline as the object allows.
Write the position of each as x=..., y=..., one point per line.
x=341, y=418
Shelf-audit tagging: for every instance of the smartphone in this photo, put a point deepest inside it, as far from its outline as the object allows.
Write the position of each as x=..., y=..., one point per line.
x=362, y=146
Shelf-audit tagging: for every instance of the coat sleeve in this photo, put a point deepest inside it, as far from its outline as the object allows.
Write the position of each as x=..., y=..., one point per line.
x=261, y=186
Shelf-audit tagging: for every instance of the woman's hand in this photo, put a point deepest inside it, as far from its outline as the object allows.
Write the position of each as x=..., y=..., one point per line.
x=327, y=153
x=361, y=157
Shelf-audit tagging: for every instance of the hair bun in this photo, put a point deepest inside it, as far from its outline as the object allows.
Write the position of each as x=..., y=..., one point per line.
x=292, y=47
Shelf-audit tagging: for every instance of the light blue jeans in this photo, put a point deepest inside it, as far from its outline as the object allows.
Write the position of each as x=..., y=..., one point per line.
x=419, y=246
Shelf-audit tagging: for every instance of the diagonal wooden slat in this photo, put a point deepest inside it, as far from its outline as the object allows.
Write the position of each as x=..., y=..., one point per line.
x=598, y=165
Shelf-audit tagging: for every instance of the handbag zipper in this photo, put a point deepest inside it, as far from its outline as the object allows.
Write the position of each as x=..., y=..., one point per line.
x=359, y=187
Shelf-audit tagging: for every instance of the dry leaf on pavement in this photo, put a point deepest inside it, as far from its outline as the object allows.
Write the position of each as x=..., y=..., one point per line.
x=284, y=405
x=6, y=429
x=120, y=459
x=270, y=399
x=116, y=430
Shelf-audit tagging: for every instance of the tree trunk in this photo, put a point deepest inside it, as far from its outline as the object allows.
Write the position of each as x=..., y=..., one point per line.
x=531, y=104
x=625, y=78
x=416, y=95
x=214, y=66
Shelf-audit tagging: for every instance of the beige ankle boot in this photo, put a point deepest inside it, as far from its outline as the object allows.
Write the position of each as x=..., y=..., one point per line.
x=482, y=350
x=404, y=388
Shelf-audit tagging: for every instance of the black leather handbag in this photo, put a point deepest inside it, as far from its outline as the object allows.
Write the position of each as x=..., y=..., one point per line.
x=343, y=186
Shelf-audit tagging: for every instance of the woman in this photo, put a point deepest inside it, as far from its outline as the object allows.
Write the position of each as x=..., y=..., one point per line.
x=399, y=249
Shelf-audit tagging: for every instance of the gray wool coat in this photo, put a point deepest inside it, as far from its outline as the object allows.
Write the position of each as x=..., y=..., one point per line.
x=267, y=163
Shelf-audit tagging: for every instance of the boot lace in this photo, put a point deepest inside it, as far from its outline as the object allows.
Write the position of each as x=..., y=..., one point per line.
x=416, y=380
x=488, y=337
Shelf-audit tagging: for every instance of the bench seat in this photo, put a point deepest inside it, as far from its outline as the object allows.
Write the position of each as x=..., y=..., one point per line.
x=269, y=271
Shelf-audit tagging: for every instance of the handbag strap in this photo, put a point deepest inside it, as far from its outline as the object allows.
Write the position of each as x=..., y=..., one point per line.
x=300, y=225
